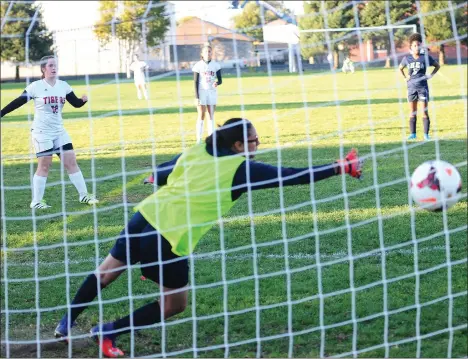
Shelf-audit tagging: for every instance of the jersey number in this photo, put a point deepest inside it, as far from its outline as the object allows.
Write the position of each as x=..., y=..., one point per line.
x=54, y=108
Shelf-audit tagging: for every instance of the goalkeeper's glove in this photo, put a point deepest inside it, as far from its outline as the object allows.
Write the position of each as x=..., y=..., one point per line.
x=149, y=179
x=351, y=164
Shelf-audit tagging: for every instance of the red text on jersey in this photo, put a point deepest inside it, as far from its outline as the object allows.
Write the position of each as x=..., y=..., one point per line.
x=54, y=99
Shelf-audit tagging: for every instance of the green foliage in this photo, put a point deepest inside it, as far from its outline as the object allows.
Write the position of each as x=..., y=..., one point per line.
x=315, y=43
x=374, y=14
x=185, y=19
x=129, y=26
x=40, y=40
x=438, y=27
x=250, y=20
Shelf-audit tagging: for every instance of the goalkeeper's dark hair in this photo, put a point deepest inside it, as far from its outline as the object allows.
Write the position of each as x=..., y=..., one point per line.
x=233, y=130
x=415, y=37
x=43, y=63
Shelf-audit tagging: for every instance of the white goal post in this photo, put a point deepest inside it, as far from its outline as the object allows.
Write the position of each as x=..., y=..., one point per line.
x=362, y=29
x=385, y=27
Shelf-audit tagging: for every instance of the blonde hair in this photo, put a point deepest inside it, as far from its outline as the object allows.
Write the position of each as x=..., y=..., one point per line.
x=43, y=61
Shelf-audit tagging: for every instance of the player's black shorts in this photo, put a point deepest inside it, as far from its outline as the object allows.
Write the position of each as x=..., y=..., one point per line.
x=149, y=247
x=420, y=94
x=57, y=151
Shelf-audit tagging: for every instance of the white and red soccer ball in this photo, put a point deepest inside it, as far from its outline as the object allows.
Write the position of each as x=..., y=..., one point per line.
x=436, y=185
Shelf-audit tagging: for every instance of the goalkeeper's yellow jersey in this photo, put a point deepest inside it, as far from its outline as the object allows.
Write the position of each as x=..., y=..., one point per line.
x=197, y=195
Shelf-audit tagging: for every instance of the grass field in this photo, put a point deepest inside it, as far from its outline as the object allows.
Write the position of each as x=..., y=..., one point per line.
x=307, y=276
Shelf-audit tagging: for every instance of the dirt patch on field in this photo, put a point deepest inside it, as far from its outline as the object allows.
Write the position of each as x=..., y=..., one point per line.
x=80, y=348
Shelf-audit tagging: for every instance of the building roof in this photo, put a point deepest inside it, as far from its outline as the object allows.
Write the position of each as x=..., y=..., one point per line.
x=197, y=31
x=277, y=22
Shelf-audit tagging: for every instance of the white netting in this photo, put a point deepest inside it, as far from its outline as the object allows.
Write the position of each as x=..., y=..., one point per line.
x=338, y=268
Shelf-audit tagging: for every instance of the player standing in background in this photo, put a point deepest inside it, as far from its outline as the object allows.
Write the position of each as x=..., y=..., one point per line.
x=207, y=77
x=418, y=89
x=348, y=65
x=197, y=188
x=48, y=134
x=138, y=67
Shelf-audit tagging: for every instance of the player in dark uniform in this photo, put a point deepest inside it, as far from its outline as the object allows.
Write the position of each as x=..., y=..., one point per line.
x=418, y=91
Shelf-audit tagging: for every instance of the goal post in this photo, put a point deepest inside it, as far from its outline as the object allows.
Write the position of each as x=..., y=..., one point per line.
x=351, y=35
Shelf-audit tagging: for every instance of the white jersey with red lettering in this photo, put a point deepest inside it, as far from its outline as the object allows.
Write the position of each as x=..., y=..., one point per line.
x=207, y=73
x=48, y=103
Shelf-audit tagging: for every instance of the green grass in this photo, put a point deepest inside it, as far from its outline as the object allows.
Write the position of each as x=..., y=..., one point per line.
x=295, y=117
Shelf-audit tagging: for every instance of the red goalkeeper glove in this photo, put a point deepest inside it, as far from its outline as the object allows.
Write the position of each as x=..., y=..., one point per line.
x=149, y=180
x=351, y=164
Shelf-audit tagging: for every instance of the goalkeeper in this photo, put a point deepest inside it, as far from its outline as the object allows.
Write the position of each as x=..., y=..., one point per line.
x=348, y=66
x=196, y=189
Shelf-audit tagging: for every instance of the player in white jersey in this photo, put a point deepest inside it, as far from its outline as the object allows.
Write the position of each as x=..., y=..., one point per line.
x=138, y=67
x=207, y=77
x=48, y=134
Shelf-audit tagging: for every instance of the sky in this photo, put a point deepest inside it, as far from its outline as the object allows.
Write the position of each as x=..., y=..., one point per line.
x=61, y=15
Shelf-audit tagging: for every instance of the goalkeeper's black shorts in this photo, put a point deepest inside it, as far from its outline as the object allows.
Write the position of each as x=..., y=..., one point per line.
x=153, y=251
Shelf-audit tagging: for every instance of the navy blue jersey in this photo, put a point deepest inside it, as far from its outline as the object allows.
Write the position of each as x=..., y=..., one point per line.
x=417, y=69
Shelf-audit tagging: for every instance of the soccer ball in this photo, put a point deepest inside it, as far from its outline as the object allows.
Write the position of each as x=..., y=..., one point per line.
x=433, y=182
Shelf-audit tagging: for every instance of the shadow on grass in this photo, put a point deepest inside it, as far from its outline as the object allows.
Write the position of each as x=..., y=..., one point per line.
x=368, y=270
x=118, y=192
x=47, y=350
x=227, y=108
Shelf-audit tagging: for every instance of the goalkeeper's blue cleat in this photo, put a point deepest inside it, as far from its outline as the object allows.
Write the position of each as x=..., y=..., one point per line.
x=107, y=347
x=412, y=136
x=427, y=137
x=62, y=328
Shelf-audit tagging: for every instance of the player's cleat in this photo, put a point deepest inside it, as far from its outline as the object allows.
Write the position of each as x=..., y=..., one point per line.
x=88, y=199
x=62, y=329
x=351, y=165
x=39, y=205
x=107, y=346
x=149, y=179
x=412, y=136
x=427, y=137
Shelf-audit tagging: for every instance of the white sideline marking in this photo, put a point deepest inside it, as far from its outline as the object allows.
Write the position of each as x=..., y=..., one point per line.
x=241, y=257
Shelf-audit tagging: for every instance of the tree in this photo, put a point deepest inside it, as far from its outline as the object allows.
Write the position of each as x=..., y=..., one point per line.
x=438, y=27
x=40, y=39
x=249, y=20
x=374, y=14
x=185, y=19
x=339, y=14
x=135, y=22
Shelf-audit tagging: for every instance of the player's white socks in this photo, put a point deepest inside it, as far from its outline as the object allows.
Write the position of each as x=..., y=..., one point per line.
x=211, y=124
x=199, y=130
x=210, y=127
x=78, y=181
x=139, y=94
x=39, y=183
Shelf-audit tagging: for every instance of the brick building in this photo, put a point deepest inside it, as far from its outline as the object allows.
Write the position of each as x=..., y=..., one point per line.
x=194, y=32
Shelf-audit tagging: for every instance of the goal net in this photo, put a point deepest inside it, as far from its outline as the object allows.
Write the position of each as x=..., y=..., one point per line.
x=336, y=268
